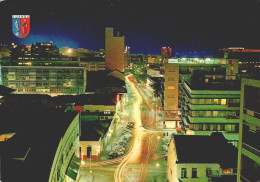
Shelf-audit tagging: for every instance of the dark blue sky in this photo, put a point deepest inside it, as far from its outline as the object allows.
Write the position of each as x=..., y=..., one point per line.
x=185, y=25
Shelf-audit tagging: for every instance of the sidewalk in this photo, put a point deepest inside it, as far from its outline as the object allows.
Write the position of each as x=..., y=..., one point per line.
x=85, y=175
x=120, y=125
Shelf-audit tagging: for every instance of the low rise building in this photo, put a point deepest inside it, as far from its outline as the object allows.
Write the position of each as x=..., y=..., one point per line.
x=92, y=138
x=200, y=158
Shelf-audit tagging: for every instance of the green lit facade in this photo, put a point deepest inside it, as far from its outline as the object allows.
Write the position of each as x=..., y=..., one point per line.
x=65, y=166
x=249, y=132
x=207, y=110
x=52, y=80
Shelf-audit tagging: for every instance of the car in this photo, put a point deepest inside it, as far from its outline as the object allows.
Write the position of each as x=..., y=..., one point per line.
x=112, y=155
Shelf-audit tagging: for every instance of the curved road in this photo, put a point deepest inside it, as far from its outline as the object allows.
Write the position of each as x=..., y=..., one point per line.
x=145, y=142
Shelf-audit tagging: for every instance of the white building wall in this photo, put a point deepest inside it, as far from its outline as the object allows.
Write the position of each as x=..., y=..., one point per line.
x=174, y=169
x=201, y=171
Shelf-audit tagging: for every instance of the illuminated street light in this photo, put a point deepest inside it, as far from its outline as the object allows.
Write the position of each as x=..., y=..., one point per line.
x=69, y=51
x=157, y=164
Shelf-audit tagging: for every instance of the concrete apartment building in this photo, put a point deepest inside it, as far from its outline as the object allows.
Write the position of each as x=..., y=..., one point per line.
x=249, y=132
x=115, y=48
x=175, y=69
x=52, y=80
x=211, y=106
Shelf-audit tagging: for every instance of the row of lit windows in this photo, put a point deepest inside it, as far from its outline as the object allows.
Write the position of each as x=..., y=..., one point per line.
x=215, y=101
x=232, y=128
x=194, y=172
x=213, y=113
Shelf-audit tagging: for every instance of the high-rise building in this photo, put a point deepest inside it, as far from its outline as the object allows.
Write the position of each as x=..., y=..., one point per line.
x=115, y=48
x=249, y=132
x=171, y=86
x=166, y=52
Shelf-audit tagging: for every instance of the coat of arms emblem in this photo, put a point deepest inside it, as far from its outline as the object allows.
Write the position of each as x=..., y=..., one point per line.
x=21, y=25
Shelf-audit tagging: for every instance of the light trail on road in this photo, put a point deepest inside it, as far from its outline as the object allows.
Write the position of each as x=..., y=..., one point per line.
x=149, y=147
x=144, y=142
x=138, y=133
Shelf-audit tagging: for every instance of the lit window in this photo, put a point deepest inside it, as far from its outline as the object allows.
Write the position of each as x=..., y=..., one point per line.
x=223, y=101
x=215, y=101
x=107, y=112
x=226, y=171
x=171, y=87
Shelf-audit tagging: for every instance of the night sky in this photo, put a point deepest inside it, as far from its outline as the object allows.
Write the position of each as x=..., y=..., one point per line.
x=186, y=25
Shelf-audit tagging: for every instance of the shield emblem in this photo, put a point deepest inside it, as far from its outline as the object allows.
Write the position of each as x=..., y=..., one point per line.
x=21, y=25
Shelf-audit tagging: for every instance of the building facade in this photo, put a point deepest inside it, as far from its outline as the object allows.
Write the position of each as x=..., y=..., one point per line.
x=51, y=80
x=208, y=108
x=115, y=48
x=249, y=132
x=66, y=163
x=197, y=159
x=175, y=69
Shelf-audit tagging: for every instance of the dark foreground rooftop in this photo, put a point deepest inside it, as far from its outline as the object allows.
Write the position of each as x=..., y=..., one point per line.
x=38, y=133
x=205, y=149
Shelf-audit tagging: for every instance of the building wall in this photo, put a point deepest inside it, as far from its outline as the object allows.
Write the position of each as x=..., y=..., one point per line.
x=201, y=171
x=174, y=169
x=99, y=108
x=206, y=111
x=249, y=133
x=171, y=86
x=44, y=79
x=93, y=66
x=114, y=51
x=67, y=147
x=153, y=73
x=232, y=69
x=96, y=149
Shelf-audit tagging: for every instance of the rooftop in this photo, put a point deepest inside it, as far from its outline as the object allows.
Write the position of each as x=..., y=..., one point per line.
x=219, y=85
x=156, y=79
x=93, y=130
x=205, y=149
x=5, y=90
x=87, y=99
x=38, y=135
x=105, y=81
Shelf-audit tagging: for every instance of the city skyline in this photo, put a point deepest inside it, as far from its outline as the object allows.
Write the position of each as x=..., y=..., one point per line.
x=186, y=26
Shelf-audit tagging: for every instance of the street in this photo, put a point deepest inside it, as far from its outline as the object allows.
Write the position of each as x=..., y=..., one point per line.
x=144, y=160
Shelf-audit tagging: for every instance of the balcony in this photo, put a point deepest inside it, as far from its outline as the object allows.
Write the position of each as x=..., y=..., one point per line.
x=233, y=104
x=213, y=120
x=251, y=142
x=212, y=107
x=251, y=149
x=251, y=113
